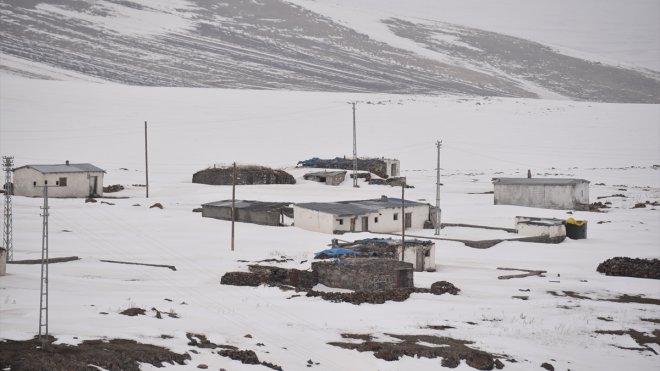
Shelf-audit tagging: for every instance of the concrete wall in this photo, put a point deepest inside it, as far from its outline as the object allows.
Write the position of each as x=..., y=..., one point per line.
x=554, y=229
x=312, y=220
x=383, y=221
x=78, y=184
x=424, y=254
x=397, y=167
x=243, y=215
x=364, y=274
x=561, y=197
x=3, y=262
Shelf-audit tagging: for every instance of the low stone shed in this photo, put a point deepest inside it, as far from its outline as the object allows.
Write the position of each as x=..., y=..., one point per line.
x=547, y=193
x=328, y=177
x=245, y=175
x=248, y=211
x=364, y=274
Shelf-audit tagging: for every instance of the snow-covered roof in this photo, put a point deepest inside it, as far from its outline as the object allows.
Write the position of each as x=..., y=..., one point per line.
x=359, y=207
x=64, y=168
x=538, y=181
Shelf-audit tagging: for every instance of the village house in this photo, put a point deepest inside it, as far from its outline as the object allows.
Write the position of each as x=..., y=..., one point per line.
x=328, y=177
x=247, y=211
x=547, y=193
x=366, y=274
x=380, y=215
x=552, y=228
x=68, y=180
x=383, y=167
x=419, y=253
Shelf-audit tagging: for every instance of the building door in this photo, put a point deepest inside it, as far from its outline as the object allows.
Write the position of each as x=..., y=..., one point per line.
x=408, y=220
x=365, y=223
x=93, y=185
x=419, y=266
x=353, y=224
x=394, y=171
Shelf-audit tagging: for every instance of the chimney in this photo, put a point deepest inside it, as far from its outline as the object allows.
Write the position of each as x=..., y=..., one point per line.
x=67, y=162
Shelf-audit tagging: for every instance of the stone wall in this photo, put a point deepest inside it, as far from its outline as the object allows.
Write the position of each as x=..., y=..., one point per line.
x=291, y=277
x=373, y=165
x=245, y=175
x=365, y=274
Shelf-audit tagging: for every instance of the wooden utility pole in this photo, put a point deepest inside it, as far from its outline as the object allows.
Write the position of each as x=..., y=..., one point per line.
x=146, y=158
x=233, y=206
x=438, y=212
x=403, y=218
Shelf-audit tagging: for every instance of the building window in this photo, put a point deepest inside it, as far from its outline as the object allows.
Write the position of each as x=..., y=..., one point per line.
x=376, y=220
x=396, y=216
x=62, y=182
x=341, y=221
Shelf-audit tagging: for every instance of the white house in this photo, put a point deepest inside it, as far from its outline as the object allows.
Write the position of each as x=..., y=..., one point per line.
x=68, y=180
x=379, y=215
x=547, y=193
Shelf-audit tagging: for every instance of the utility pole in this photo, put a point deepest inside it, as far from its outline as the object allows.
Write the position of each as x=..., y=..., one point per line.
x=146, y=158
x=7, y=231
x=355, y=160
x=43, y=298
x=438, y=212
x=233, y=206
x=403, y=219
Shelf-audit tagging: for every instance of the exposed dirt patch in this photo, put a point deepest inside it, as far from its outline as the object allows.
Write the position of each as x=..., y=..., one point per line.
x=625, y=298
x=653, y=320
x=452, y=351
x=113, y=188
x=631, y=267
x=381, y=296
x=247, y=357
x=115, y=354
x=640, y=338
x=364, y=337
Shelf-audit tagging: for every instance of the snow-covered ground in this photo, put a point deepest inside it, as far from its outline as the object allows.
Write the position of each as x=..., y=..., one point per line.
x=190, y=129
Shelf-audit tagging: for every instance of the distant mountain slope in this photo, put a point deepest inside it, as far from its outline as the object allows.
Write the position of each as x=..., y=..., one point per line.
x=272, y=44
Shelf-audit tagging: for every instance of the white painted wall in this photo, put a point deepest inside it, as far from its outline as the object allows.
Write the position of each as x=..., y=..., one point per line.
x=389, y=162
x=562, y=197
x=313, y=220
x=410, y=256
x=328, y=223
x=3, y=262
x=77, y=183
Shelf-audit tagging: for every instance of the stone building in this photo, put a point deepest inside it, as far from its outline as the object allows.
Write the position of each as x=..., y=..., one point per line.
x=328, y=177
x=383, y=167
x=245, y=175
x=364, y=274
x=247, y=211
x=547, y=193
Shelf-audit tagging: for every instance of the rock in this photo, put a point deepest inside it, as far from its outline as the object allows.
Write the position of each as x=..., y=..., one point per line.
x=202, y=366
x=197, y=210
x=442, y=287
x=631, y=267
x=113, y=188
x=244, y=356
x=132, y=312
x=90, y=200
x=157, y=204
x=548, y=366
x=480, y=361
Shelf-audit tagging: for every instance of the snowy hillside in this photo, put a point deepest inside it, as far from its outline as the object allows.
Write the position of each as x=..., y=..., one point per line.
x=325, y=46
x=612, y=145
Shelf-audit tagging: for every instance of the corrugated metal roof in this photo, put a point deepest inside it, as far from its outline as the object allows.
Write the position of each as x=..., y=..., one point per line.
x=64, y=168
x=538, y=181
x=360, y=207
